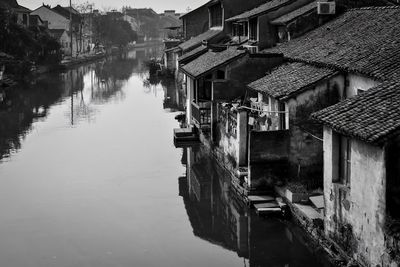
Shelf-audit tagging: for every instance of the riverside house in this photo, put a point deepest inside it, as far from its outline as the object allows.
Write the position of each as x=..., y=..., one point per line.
x=322, y=67
x=257, y=28
x=229, y=130
x=217, y=77
x=361, y=174
x=215, y=29
x=361, y=149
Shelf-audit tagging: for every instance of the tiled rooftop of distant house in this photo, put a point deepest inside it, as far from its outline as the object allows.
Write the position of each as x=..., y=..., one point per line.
x=197, y=40
x=259, y=10
x=289, y=79
x=210, y=61
x=365, y=40
x=372, y=116
x=284, y=19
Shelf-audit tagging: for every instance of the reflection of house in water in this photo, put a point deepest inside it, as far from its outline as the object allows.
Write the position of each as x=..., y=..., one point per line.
x=217, y=217
x=174, y=96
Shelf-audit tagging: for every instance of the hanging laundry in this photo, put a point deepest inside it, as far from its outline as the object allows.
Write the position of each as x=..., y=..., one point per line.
x=251, y=120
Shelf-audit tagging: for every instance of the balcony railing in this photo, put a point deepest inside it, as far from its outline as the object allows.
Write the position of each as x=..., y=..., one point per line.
x=201, y=114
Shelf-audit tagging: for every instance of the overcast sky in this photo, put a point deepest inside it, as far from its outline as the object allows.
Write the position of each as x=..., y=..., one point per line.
x=158, y=5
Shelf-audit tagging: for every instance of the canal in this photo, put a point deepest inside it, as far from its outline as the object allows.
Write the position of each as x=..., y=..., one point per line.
x=89, y=176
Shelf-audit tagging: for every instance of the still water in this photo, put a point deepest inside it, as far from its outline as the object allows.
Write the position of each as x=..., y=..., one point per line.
x=89, y=176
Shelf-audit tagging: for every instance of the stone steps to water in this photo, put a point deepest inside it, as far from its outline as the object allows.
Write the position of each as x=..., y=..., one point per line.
x=185, y=136
x=266, y=204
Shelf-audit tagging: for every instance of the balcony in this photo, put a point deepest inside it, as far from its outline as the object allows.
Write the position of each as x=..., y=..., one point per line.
x=201, y=114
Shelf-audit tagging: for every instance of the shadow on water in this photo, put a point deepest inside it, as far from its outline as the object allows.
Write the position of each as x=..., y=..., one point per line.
x=216, y=216
x=85, y=87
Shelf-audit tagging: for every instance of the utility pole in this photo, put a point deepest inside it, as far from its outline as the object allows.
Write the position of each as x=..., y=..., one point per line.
x=70, y=25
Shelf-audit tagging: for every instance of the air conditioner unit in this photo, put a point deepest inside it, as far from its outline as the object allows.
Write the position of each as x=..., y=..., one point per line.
x=251, y=48
x=326, y=8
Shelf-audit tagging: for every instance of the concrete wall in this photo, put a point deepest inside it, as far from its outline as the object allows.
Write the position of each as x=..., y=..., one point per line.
x=250, y=68
x=189, y=98
x=355, y=213
x=268, y=146
x=305, y=157
x=55, y=21
x=356, y=82
x=233, y=145
x=195, y=23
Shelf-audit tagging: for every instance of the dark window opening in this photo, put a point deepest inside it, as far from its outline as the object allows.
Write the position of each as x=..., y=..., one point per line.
x=205, y=89
x=240, y=29
x=25, y=19
x=342, y=159
x=216, y=15
x=253, y=34
x=220, y=74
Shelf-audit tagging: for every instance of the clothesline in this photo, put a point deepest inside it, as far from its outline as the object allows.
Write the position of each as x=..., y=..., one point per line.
x=259, y=110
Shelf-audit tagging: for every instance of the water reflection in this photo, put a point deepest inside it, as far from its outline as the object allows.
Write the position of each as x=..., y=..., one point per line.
x=216, y=216
x=85, y=87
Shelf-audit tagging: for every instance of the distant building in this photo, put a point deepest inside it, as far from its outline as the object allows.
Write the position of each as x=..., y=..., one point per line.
x=58, y=18
x=170, y=25
x=54, y=19
x=22, y=14
x=147, y=20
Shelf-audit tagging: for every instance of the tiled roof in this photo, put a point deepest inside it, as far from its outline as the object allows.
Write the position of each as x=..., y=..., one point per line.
x=289, y=79
x=211, y=60
x=194, y=52
x=372, y=116
x=259, y=10
x=22, y=9
x=365, y=40
x=196, y=41
x=295, y=14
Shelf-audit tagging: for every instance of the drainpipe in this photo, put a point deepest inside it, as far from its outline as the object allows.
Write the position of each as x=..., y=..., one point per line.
x=70, y=25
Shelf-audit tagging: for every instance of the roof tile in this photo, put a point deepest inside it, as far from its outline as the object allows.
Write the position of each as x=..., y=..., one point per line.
x=289, y=79
x=295, y=14
x=372, y=116
x=197, y=40
x=211, y=60
x=365, y=40
x=259, y=10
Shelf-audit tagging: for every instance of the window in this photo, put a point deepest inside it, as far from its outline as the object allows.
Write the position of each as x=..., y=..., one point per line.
x=240, y=29
x=25, y=19
x=220, y=74
x=341, y=152
x=215, y=16
x=253, y=34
